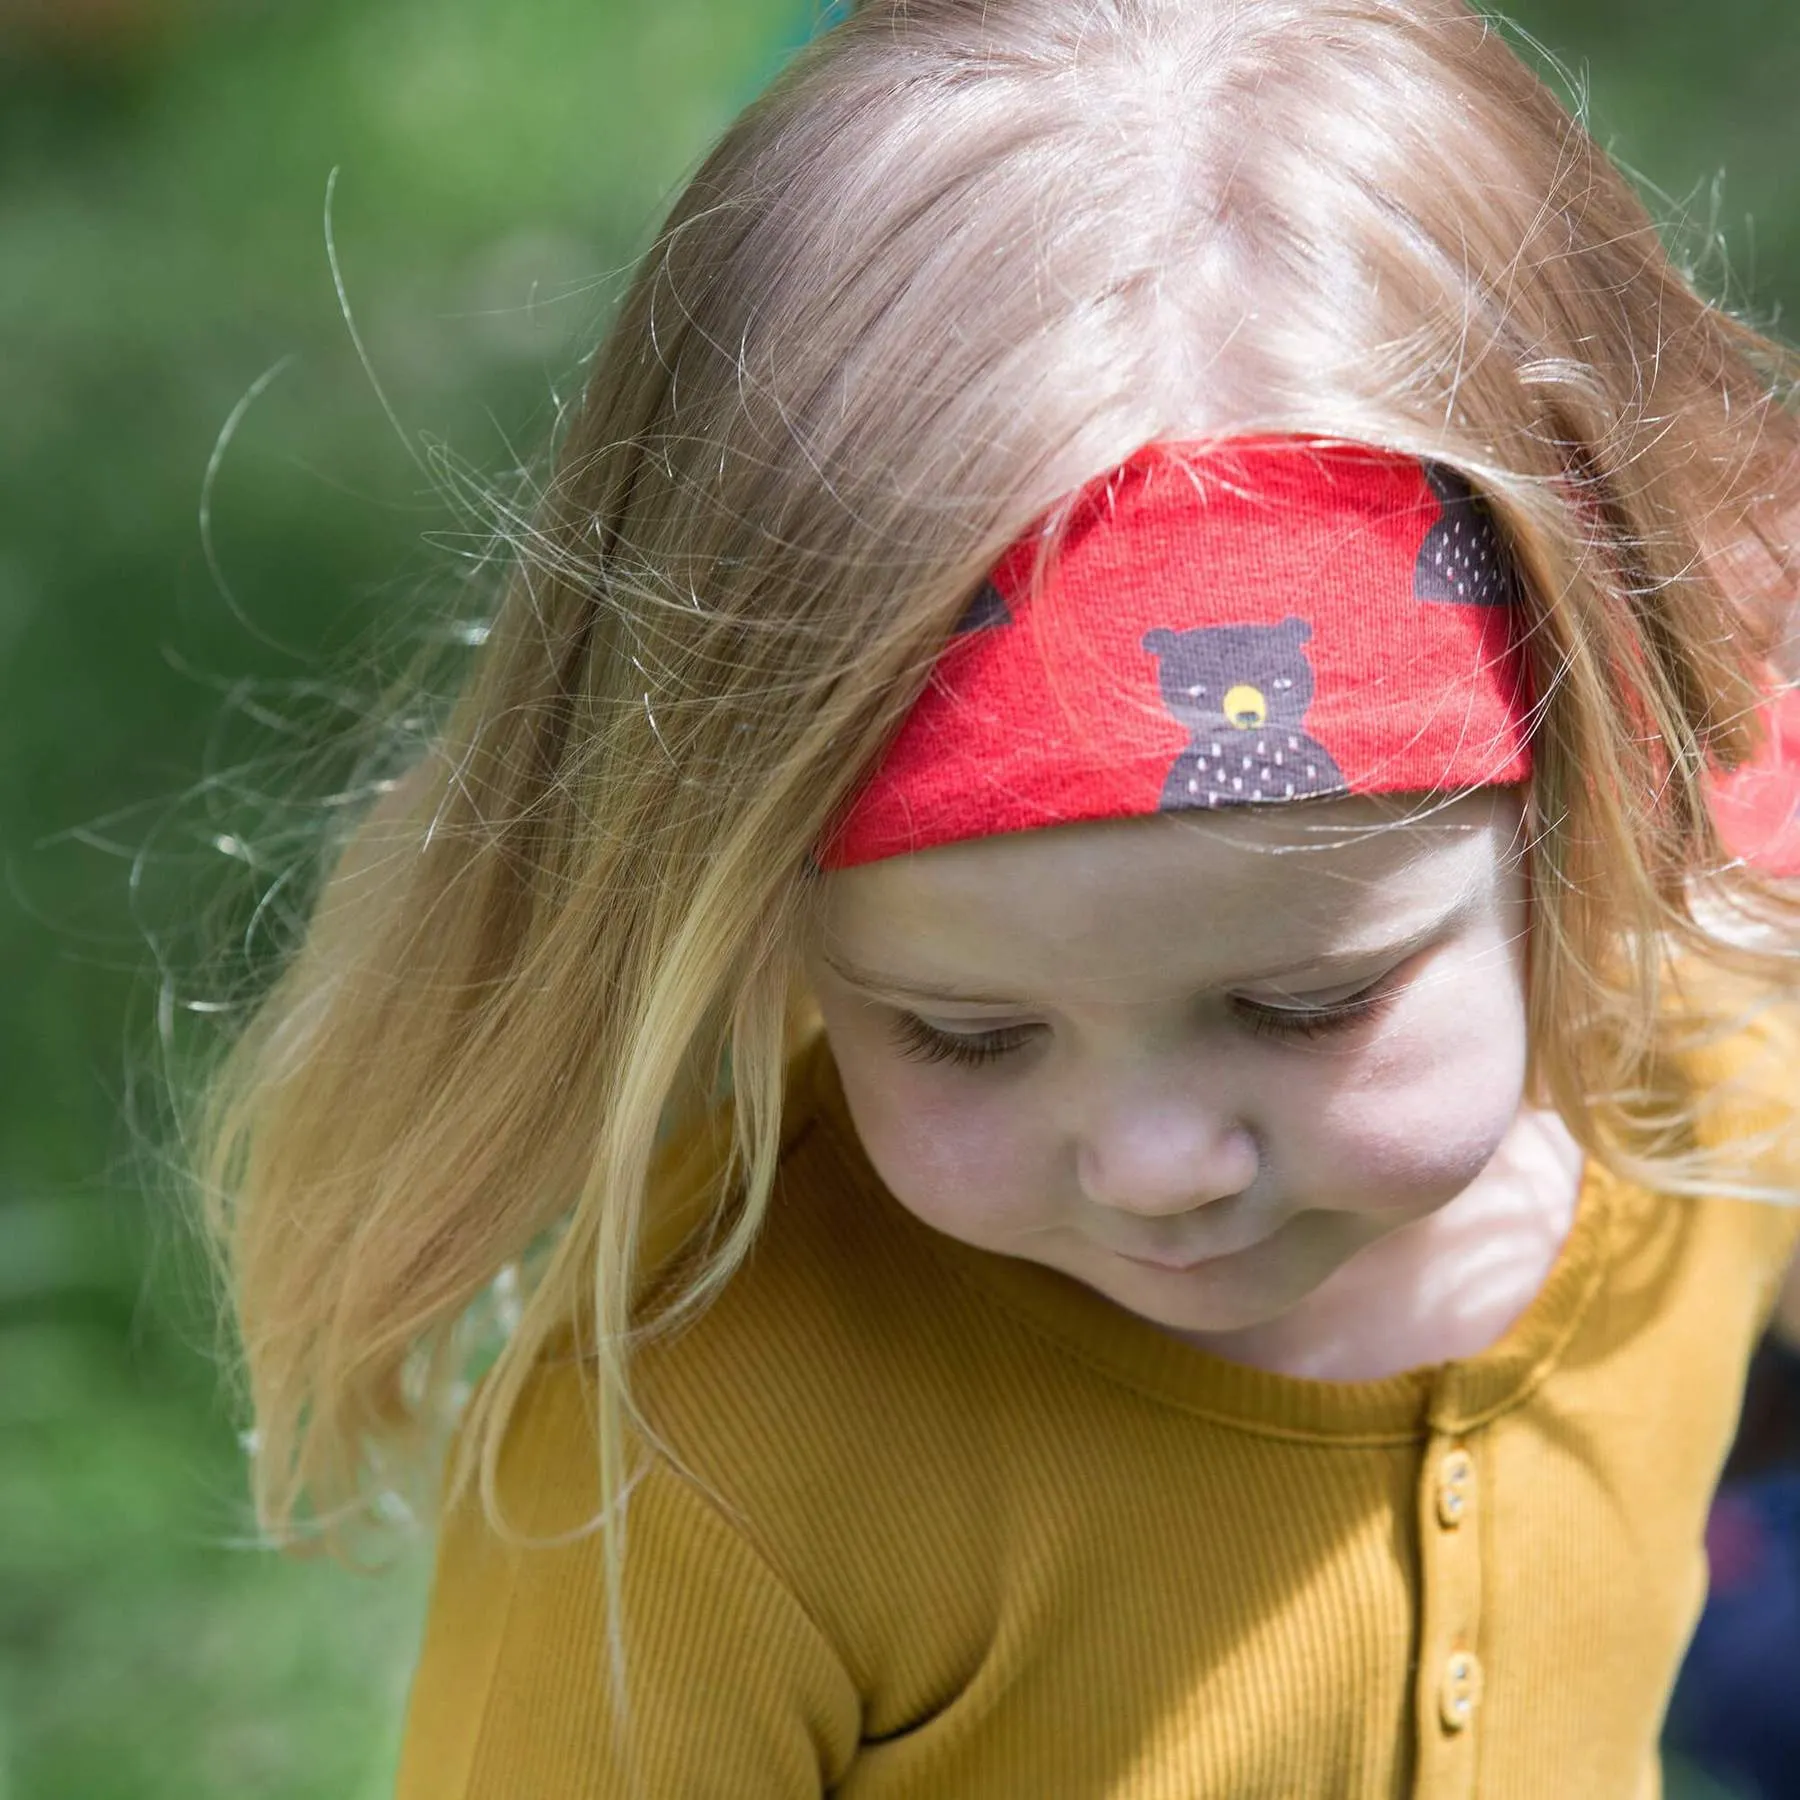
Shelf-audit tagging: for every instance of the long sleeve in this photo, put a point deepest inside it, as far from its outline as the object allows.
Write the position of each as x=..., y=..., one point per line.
x=733, y=1692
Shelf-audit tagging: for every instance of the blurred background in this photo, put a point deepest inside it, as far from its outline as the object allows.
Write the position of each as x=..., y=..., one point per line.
x=207, y=517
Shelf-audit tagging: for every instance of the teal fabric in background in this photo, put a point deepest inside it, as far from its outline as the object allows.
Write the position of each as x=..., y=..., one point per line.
x=164, y=273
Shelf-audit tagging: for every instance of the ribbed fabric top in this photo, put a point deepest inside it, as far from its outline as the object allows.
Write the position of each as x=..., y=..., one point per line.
x=950, y=1524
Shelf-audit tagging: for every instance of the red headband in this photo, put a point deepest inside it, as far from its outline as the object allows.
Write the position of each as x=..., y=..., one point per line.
x=1757, y=807
x=1260, y=620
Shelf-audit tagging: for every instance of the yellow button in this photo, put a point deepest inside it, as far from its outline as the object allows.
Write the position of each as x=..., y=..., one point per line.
x=1456, y=1488
x=1461, y=1692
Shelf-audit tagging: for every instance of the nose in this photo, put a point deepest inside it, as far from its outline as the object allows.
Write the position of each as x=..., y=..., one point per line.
x=1159, y=1156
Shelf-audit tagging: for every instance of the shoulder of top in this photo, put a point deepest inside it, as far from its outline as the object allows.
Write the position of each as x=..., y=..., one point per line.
x=1730, y=1027
x=1736, y=1042
x=839, y=1283
x=829, y=1372
x=841, y=1319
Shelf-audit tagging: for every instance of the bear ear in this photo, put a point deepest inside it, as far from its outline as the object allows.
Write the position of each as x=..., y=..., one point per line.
x=985, y=612
x=1159, y=642
x=1298, y=629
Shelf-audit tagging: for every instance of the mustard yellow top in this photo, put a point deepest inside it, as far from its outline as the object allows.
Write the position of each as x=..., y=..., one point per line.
x=958, y=1527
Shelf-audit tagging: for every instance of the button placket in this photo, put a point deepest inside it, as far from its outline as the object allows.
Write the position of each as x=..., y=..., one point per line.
x=1461, y=1692
x=1456, y=1488
x=1450, y=1676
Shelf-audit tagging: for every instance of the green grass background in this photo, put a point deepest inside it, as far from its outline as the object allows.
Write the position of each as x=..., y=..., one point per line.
x=163, y=170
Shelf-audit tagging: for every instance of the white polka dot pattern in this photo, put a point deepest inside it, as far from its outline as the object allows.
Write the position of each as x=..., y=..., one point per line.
x=1462, y=560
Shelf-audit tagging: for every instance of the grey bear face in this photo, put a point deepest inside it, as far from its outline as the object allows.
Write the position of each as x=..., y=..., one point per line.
x=1234, y=677
x=1242, y=692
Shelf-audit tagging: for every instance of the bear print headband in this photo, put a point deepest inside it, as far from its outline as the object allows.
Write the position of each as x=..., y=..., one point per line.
x=1255, y=621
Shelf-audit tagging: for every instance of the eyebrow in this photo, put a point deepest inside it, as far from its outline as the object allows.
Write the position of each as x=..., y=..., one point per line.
x=875, y=981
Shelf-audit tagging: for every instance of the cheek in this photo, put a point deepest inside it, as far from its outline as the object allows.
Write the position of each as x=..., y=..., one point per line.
x=943, y=1140
x=1435, y=1099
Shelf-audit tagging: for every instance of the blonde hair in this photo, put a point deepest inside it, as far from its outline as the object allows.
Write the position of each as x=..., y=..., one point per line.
x=962, y=257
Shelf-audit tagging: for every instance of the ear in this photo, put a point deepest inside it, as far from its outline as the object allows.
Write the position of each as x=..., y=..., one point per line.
x=1297, y=629
x=1159, y=642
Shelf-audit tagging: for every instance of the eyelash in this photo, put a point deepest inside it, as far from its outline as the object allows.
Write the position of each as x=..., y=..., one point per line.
x=924, y=1043
x=1318, y=1022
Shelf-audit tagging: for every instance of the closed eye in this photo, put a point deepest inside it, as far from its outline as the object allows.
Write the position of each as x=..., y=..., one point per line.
x=974, y=1049
x=1306, y=1022
x=925, y=1043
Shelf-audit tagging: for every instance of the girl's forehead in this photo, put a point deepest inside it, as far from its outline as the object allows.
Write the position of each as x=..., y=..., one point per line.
x=1219, y=897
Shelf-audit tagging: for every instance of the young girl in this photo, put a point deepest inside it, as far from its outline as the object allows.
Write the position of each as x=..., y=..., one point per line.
x=1186, y=579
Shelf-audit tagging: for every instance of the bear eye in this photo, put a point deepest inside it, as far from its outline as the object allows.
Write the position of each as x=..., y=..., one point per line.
x=1194, y=693
x=1282, y=683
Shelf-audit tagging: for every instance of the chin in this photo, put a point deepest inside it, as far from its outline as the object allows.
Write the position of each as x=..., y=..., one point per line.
x=1219, y=1297
x=1226, y=1321
x=1244, y=1291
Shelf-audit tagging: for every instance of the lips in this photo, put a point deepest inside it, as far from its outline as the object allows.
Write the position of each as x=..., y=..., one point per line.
x=1184, y=1264
x=1233, y=1229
